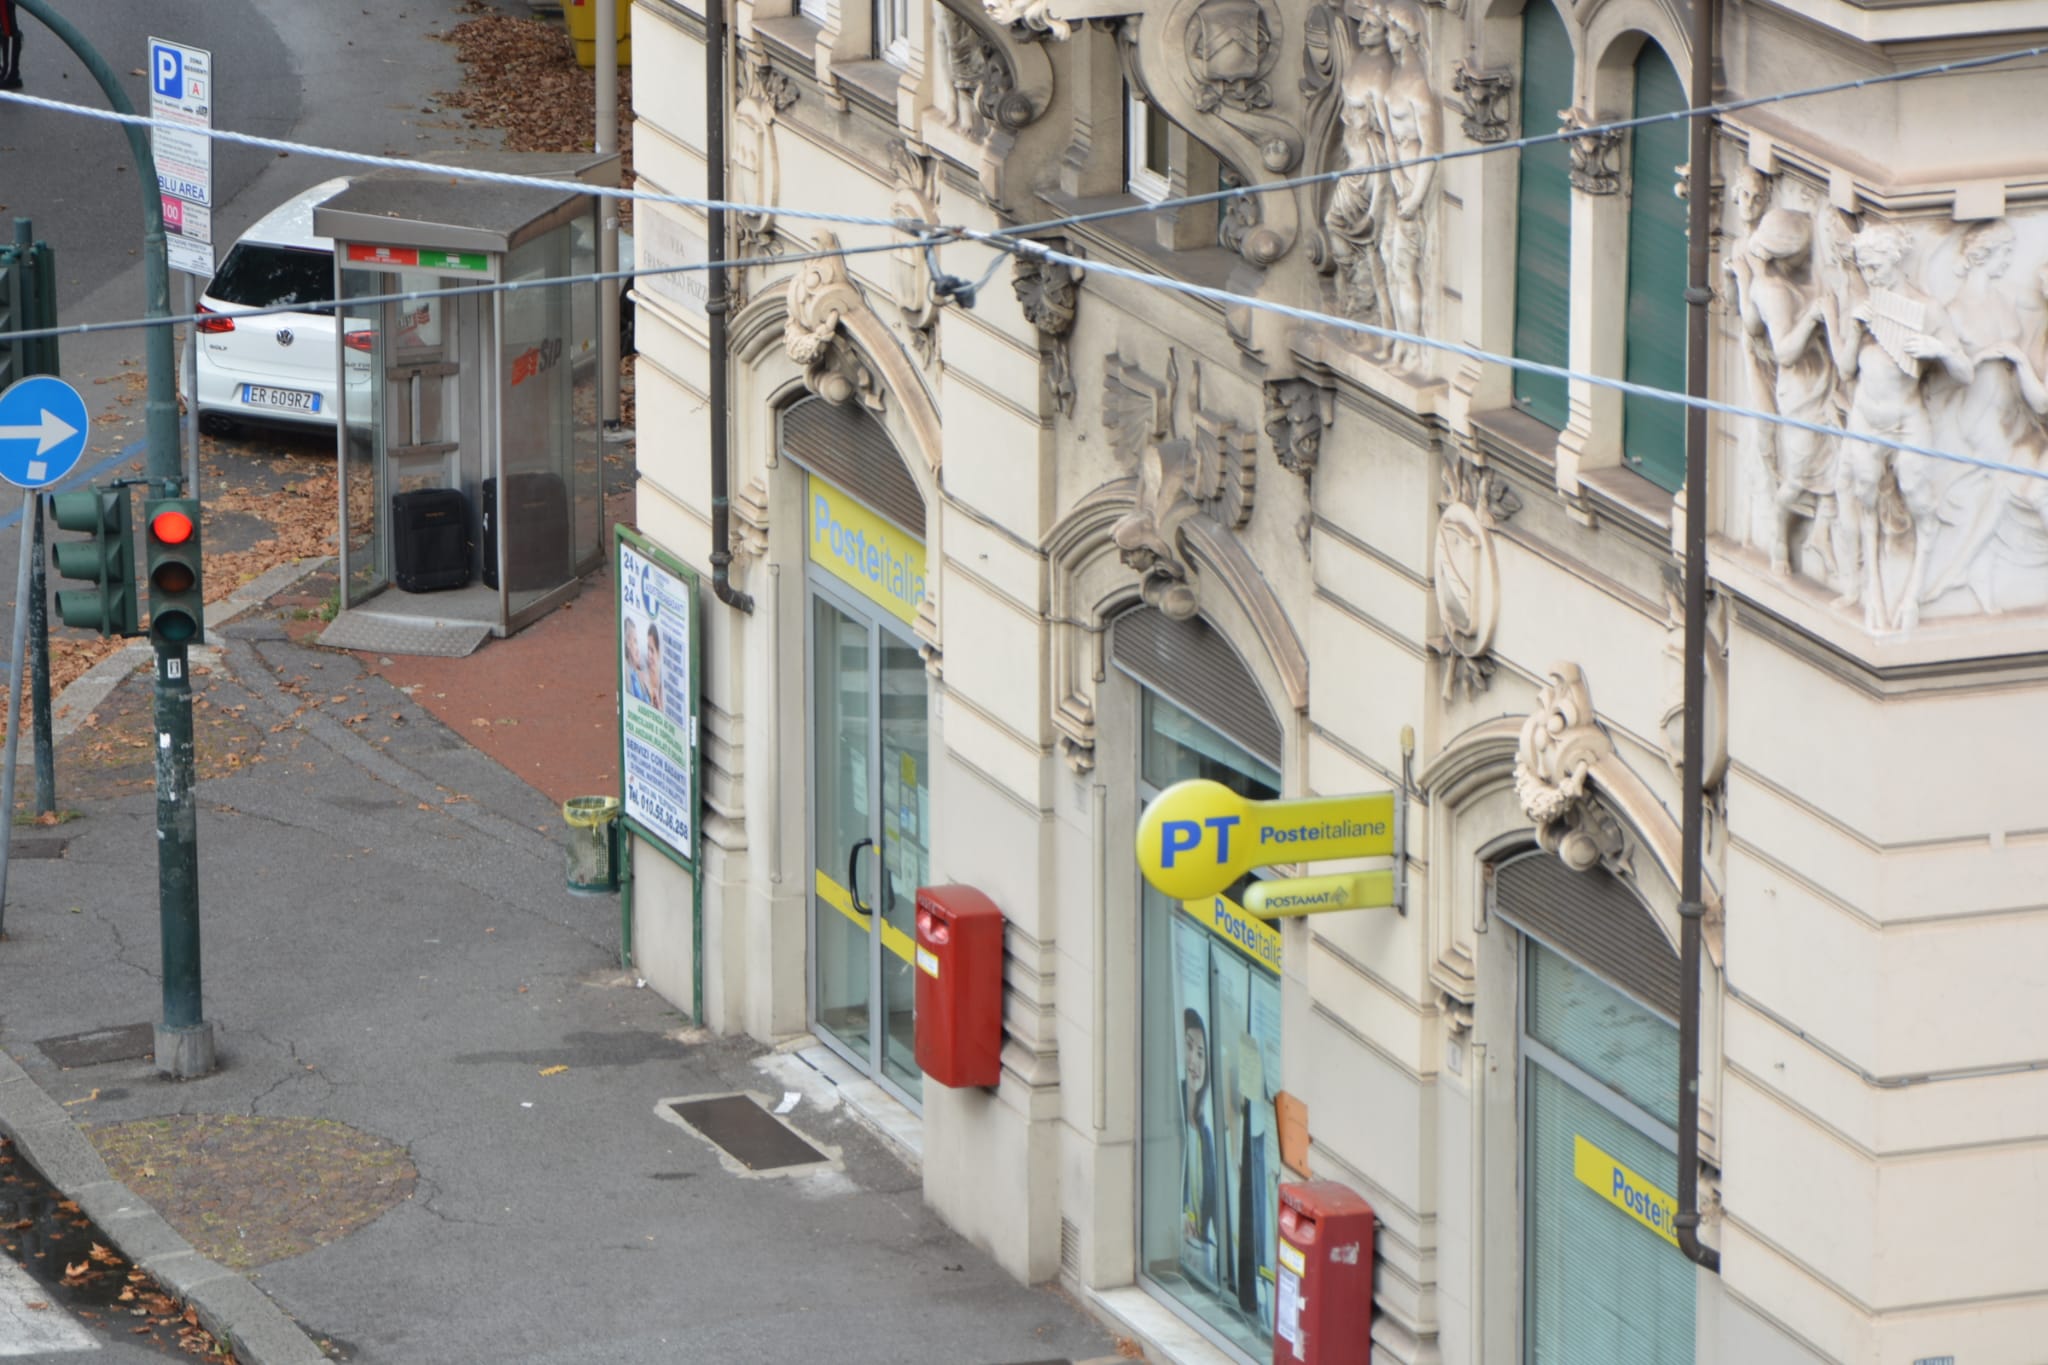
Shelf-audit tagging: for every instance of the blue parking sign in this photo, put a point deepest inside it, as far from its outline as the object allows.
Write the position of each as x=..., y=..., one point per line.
x=167, y=71
x=43, y=428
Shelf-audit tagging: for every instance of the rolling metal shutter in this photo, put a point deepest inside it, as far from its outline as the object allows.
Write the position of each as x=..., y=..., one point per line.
x=1543, y=218
x=1593, y=919
x=844, y=445
x=1194, y=667
x=1653, y=430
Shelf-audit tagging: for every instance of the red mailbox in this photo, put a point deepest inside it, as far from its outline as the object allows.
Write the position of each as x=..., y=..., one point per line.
x=959, y=986
x=1323, y=1312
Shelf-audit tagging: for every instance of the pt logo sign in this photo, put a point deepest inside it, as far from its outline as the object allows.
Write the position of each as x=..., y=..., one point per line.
x=1198, y=837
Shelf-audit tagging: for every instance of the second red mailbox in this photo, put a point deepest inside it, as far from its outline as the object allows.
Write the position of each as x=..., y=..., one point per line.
x=959, y=986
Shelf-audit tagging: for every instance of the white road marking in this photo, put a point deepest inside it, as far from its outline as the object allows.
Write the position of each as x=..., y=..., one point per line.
x=26, y=1331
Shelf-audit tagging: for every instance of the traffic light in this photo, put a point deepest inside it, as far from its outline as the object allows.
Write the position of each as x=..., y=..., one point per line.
x=28, y=299
x=176, y=609
x=107, y=560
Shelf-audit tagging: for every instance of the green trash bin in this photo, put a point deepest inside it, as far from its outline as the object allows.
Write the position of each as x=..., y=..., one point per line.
x=593, y=823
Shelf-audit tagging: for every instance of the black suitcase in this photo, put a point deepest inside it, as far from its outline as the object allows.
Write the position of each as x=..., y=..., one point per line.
x=537, y=513
x=430, y=539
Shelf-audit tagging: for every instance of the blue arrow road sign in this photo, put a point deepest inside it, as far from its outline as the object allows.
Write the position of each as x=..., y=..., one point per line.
x=42, y=431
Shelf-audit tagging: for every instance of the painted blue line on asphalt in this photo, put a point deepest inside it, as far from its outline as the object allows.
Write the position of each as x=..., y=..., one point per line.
x=119, y=457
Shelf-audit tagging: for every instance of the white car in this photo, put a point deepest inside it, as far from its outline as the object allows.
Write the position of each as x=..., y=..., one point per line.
x=277, y=367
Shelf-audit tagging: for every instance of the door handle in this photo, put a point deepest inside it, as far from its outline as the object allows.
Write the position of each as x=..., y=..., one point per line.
x=853, y=875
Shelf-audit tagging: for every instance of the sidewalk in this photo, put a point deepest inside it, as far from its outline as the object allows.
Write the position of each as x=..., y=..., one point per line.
x=441, y=1130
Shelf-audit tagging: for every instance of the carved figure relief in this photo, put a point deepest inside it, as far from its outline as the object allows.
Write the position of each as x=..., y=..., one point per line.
x=820, y=297
x=1049, y=293
x=1230, y=51
x=974, y=80
x=1561, y=744
x=1476, y=500
x=1034, y=17
x=1914, y=334
x=1208, y=471
x=1596, y=157
x=1298, y=411
x=1486, y=95
x=1376, y=225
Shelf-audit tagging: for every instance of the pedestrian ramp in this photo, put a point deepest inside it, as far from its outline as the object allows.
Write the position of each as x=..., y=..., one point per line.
x=380, y=632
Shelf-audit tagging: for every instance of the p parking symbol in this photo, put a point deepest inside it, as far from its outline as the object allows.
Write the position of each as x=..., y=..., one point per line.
x=168, y=77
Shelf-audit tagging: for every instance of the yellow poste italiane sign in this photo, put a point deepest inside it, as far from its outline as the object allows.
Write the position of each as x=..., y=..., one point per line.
x=1624, y=1189
x=1285, y=898
x=1226, y=919
x=881, y=562
x=1197, y=837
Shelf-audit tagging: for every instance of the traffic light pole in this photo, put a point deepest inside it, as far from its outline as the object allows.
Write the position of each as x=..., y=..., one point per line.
x=184, y=1039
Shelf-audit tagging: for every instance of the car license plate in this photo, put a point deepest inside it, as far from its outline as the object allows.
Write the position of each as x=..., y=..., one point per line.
x=263, y=397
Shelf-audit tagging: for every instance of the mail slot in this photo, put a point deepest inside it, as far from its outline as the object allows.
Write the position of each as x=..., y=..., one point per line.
x=959, y=986
x=1323, y=1311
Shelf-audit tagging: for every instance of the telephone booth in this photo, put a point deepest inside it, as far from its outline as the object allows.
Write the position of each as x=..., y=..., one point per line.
x=476, y=405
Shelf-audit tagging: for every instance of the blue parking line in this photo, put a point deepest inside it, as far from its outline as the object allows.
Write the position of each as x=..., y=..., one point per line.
x=119, y=457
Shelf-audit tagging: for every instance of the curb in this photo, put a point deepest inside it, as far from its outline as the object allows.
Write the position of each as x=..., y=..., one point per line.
x=92, y=687
x=238, y=1314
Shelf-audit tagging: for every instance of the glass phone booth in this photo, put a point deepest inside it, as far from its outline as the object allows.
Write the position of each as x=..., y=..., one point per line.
x=479, y=403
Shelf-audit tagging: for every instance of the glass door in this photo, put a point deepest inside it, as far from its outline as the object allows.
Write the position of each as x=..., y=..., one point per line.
x=870, y=823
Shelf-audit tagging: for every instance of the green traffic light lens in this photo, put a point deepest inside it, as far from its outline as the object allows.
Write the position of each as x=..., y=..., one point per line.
x=173, y=627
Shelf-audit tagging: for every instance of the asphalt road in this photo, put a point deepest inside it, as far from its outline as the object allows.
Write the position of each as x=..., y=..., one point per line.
x=358, y=76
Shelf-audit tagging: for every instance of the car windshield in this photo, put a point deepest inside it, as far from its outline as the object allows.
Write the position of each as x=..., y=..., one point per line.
x=257, y=276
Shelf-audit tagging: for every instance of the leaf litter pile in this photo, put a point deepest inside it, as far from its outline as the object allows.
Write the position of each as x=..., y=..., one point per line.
x=520, y=80
x=63, y=1252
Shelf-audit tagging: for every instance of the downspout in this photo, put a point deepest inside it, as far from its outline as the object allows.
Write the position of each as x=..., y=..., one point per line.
x=716, y=305
x=1692, y=801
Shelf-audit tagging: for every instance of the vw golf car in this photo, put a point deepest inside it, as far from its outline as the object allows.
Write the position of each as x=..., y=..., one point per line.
x=276, y=367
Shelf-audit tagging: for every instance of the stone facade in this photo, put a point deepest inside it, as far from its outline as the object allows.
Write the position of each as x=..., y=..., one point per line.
x=1389, y=544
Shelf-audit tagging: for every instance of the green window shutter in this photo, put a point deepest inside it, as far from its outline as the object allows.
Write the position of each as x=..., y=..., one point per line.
x=1543, y=218
x=1653, y=430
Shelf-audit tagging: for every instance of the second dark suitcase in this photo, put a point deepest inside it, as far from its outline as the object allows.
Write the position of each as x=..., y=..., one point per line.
x=536, y=513
x=430, y=539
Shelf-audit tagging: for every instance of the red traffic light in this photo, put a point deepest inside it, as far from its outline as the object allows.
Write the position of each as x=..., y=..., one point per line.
x=170, y=527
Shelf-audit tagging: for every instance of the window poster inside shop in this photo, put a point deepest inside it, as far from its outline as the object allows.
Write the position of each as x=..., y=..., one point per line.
x=1210, y=1163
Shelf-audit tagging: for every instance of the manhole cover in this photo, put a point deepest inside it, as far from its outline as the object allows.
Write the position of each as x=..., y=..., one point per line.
x=37, y=848
x=129, y=1043
x=756, y=1138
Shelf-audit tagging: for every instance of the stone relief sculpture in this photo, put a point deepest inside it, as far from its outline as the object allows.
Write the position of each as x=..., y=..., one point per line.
x=1881, y=345
x=1792, y=374
x=1050, y=294
x=1467, y=575
x=820, y=297
x=1486, y=95
x=765, y=92
x=1377, y=224
x=973, y=79
x=1210, y=472
x=1297, y=413
x=1596, y=157
x=1913, y=333
x=1032, y=16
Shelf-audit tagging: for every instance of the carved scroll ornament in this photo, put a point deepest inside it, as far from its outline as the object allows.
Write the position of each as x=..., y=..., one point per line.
x=1050, y=294
x=820, y=297
x=1596, y=157
x=1298, y=411
x=1485, y=94
x=1560, y=747
x=1467, y=573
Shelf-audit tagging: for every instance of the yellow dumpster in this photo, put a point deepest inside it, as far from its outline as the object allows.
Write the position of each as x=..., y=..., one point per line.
x=582, y=17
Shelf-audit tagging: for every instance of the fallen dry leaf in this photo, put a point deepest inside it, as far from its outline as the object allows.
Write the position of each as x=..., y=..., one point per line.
x=550, y=1070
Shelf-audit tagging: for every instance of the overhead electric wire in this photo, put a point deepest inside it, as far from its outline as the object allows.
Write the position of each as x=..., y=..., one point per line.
x=1224, y=296
x=455, y=172
x=1014, y=240
x=1530, y=140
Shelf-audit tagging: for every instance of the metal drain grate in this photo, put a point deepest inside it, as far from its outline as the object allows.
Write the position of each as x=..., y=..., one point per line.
x=755, y=1138
x=129, y=1043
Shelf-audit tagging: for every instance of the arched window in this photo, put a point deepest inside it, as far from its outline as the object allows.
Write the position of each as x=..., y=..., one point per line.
x=1653, y=430
x=1543, y=218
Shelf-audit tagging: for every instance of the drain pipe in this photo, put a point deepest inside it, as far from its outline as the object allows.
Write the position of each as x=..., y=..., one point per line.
x=716, y=306
x=1691, y=905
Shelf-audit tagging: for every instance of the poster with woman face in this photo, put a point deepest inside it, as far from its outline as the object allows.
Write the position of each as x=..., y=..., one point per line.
x=1200, y=1196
